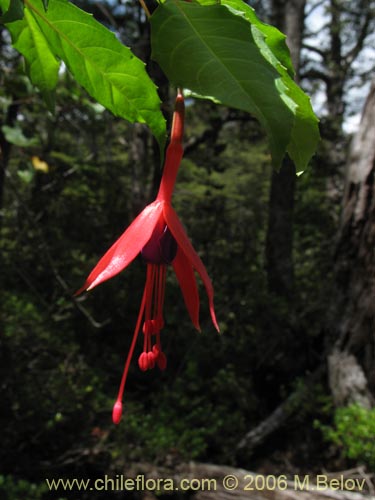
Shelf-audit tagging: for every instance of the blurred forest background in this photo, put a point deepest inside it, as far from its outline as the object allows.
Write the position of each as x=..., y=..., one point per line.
x=289, y=385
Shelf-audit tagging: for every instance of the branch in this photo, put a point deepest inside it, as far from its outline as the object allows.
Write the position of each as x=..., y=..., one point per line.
x=106, y=13
x=209, y=136
x=278, y=417
x=75, y=300
x=350, y=57
x=321, y=52
x=318, y=31
x=315, y=74
x=313, y=7
x=256, y=436
x=50, y=260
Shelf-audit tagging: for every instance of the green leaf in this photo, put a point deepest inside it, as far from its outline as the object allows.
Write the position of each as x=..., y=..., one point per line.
x=15, y=136
x=5, y=6
x=216, y=52
x=272, y=42
x=26, y=175
x=12, y=10
x=42, y=66
x=108, y=70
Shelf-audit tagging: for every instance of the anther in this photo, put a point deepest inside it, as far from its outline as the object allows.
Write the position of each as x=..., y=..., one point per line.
x=161, y=361
x=143, y=362
x=151, y=360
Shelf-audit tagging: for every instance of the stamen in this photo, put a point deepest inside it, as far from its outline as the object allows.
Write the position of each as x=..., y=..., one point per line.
x=151, y=359
x=154, y=322
x=117, y=408
x=143, y=361
x=152, y=309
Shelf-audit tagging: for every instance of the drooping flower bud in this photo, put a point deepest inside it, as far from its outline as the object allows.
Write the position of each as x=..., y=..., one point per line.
x=117, y=412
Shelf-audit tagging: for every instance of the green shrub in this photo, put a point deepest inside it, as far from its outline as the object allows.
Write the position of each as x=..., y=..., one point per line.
x=353, y=432
x=15, y=489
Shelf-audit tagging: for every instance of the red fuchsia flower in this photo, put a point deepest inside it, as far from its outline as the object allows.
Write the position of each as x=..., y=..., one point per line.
x=158, y=235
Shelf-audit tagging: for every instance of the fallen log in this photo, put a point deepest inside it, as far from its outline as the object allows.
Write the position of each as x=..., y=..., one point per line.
x=208, y=481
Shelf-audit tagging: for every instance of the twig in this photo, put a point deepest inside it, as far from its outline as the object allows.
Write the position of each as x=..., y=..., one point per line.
x=145, y=8
x=277, y=418
x=50, y=260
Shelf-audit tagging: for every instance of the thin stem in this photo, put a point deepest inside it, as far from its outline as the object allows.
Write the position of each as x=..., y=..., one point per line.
x=145, y=8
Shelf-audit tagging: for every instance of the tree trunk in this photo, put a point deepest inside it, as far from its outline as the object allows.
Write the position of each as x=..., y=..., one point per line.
x=353, y=309
x=288, y=15
x=336, y=76
x=347, y=380
x=5, y=148
x=279, y=244
x=293, y=28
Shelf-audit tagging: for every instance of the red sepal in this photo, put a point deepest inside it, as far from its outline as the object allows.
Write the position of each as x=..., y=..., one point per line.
x=126, y=248
x=188, y=284
x=183, y=242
